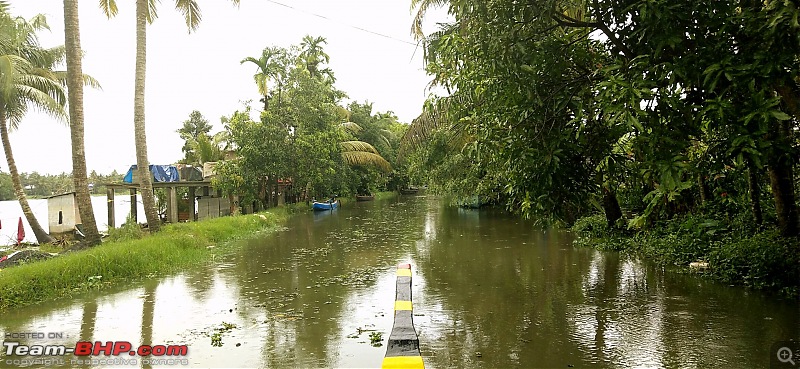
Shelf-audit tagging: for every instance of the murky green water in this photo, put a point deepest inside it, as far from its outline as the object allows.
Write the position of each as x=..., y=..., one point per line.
x=490, y=291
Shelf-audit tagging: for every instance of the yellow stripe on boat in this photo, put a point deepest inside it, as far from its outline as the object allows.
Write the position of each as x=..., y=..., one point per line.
x=409, y=362
x=402, y=305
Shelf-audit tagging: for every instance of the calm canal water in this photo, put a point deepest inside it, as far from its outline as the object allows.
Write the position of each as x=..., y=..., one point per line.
x=489, y=291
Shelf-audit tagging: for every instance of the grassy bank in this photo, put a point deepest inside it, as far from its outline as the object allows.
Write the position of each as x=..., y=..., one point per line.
x=130, y=255
x=735, y=251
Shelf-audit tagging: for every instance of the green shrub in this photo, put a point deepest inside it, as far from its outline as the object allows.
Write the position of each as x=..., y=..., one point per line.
x=765, y=260
x=130, y=230
x=591, y=226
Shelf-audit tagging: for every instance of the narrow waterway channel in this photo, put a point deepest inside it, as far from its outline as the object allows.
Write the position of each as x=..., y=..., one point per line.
x=489, y=291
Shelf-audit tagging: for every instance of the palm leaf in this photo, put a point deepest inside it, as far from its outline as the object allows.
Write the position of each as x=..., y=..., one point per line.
x=191, y=13
x=109, y=8
x=352, y=127
x=422, y=7
x=366, y=159
x=357, y=146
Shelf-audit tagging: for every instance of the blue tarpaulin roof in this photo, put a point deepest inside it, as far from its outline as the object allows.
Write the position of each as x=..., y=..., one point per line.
x=161, y=173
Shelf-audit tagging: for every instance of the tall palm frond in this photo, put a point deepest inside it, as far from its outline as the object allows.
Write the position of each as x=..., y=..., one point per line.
x=366, y=159
x=191, y=13
x=358, y=146
x=422, y=7
x=440, y=114
x=109, y=8
x=190, y=10
x=352, y=127
x=364, y=154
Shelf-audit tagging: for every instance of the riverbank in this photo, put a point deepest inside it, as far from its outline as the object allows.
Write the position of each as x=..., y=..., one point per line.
x=131, y=255
x=731, y=252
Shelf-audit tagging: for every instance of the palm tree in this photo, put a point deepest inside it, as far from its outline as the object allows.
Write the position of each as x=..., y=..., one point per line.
x=146, y=13
x=313, y=55
x=270, y=66
x=26, y=78
x=75, y=83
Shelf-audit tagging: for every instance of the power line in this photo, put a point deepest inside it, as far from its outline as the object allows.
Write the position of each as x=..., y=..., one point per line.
x=342, y=23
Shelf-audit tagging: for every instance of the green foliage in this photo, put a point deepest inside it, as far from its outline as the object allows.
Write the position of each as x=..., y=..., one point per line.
x=6, y=187
x=199, y=147
x=667, y=105
x=304, y=137
x=591, y=226
x=129, y=231
x=765, y=260
x=737, y=252
x=375, y=339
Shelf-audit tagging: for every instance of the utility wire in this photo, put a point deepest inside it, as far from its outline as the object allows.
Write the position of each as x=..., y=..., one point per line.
x=342, y=23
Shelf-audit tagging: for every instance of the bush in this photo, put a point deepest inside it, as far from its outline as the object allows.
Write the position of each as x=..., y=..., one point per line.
x=130, y=230
x=736, y=253
x=765, y=260
x=591, y=226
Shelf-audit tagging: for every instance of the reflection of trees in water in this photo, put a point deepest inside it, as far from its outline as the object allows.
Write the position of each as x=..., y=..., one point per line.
x=88, y=320
x=498, y=296
x=302, y=324
x=148, y=309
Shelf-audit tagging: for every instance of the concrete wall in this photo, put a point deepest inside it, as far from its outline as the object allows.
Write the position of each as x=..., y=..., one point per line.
x=212, y=207
x=62, y=214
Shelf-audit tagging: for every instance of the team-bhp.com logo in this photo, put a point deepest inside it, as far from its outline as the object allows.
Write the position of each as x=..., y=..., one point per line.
x=115, y=351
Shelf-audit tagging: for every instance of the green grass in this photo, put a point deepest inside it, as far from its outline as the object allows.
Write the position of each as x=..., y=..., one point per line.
x=127, y=258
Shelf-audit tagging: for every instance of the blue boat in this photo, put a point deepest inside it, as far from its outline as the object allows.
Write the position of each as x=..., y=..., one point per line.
x=325, y=205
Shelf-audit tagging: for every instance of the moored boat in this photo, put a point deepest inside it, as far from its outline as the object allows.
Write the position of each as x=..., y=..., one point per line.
x=325, y=205
x=365, y=197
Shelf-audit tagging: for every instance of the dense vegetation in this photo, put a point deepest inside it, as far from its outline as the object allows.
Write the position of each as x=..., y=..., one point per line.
x=668, y=118
x=305, y=143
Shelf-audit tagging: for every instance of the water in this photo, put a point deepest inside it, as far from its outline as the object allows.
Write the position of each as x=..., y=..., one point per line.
x=11, y=211
x=489, y=291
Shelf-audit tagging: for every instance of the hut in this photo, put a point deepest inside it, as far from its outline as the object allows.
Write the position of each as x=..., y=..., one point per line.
x=63, y=217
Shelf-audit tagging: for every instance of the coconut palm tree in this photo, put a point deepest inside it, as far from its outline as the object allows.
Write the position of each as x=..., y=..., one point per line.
x=26, y=79
x=75, y=81
x=146, y=13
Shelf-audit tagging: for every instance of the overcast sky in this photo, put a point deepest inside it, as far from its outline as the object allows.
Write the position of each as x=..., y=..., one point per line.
x=201, y=71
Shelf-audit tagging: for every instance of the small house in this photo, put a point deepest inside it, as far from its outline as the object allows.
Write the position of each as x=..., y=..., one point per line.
x=63, y=216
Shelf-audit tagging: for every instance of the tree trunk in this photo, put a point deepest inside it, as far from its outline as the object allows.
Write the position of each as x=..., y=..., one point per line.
x=277, y=191
x=145, y=178
x=781, y=180
x=755, y=193
x=75, y=89
x=38, y=231
x=611, y=207
x=704, y=191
